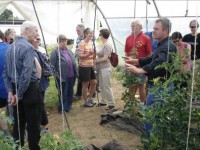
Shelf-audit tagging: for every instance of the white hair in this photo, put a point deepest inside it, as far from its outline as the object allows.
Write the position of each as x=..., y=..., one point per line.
x=137, y=21
x=27, y=24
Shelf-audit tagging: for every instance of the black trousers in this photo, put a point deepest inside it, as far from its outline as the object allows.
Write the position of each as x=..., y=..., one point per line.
x=79, y=88
x=29, y=109
x=44, y=118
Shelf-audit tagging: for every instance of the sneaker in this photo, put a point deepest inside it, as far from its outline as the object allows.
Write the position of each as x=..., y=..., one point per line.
x=44, y=130
x=110, y=107
x=101, y=104
x=76, y=97
x=90, y=100
x=88, y=104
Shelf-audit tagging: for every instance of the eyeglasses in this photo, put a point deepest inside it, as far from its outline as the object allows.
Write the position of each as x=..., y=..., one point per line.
x=176, y=41
x=192, y=26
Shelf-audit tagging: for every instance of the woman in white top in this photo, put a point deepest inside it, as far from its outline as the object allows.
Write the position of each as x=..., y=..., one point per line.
x=104, y=68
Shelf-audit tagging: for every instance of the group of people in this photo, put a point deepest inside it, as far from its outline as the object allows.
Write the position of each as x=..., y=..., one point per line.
x=91, y=64
x=23, y=83
x=145, y=59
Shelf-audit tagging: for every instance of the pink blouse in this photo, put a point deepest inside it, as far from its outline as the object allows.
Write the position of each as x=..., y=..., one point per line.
x=183, y=50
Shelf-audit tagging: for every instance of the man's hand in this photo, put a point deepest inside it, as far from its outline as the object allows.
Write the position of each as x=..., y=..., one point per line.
x=130, y=60
x=12, y=99
x=134, y=69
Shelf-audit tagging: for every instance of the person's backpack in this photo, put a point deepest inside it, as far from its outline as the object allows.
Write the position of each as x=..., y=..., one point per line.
x=45, y=64
x=114, y=59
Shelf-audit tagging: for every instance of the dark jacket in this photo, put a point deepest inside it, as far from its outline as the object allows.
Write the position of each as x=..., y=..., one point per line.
x=64, y=64
x=161, y=55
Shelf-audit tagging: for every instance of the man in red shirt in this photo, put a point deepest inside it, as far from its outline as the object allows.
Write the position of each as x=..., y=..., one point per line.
x=138, y=45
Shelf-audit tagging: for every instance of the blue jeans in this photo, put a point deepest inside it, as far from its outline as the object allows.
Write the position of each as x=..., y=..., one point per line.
x=150, y=101
x=67, y=94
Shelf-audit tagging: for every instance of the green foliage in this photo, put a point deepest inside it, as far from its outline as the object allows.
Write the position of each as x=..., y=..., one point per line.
x=130, y=79
x=131, y=108
x=131, y=105
x=169, y=114
x=7, y=143
x=51, y=95
x=65, y=141
x=117, y=72
x=7, y=15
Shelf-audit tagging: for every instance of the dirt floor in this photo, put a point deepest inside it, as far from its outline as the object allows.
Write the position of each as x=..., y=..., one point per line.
x=84, y=123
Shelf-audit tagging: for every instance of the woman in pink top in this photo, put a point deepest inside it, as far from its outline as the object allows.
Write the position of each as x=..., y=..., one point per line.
x=184, y=50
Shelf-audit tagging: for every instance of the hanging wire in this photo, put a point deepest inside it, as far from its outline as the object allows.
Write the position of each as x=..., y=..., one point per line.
x=193, y=82
x=134, y=8
x=16, y=90
x=39, y=26
x=147, y=3
x=186, y=12
x=96, y=72
x=59, y=62
x=82, y=11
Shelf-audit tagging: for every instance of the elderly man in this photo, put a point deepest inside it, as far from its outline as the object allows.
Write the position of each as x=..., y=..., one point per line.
x=161, y=30
x=138, y=45
x=21, y=80
x=193, y=39
x=80, y=32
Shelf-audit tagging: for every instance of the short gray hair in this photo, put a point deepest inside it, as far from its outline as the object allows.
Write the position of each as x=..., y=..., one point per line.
x=166, y=23
x=61, y=37
x=27, y=24
x=81, y=26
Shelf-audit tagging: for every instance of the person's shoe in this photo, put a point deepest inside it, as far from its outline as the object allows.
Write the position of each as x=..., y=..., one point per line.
x=44, y=130
x=60, y=111
x=110, y=107
x=67, y=111
x=76, y=97
x=47, y=113
x=90, y=100
x=88, y=104
x=101, y=104
x=94, y=95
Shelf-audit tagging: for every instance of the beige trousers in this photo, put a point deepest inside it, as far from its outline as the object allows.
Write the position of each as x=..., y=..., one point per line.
x=105, y=86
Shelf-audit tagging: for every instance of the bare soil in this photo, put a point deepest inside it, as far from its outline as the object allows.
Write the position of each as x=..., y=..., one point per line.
x=84, y=123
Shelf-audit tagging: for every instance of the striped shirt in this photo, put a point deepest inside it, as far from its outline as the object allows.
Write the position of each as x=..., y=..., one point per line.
x=20, y=55
x=85, y=48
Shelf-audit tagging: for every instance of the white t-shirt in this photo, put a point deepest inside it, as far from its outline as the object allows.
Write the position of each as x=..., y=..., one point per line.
x=41, y=49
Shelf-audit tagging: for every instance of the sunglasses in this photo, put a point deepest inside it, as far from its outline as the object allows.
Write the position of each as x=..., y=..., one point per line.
x=192, y=26
x=176, y=41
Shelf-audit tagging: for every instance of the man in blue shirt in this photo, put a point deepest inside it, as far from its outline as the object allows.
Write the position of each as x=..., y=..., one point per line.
x=21, y=81
x=3, y=92
x=154, y=43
